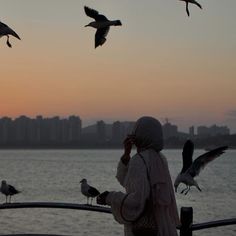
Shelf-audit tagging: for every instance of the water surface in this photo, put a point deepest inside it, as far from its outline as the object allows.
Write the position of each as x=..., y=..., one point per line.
x=54, y=175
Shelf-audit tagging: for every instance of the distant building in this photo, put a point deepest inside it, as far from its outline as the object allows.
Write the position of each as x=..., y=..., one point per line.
x=5, y=130
x=213, y=130
x=40, y=131
x=128, y=127
x=21, y=129
x=117, y=132
x=169, y=130
x=101, y=131
x=191, y=131
x=54, y=129
x=75, y=129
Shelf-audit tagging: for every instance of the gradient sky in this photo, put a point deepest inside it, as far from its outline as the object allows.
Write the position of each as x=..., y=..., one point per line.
x=159, y=63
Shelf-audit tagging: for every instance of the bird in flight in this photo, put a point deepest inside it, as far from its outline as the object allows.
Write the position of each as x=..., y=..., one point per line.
x=8, y=190
x=88, y=191
x=191, y=168
x=193, y=2
x=5, y=30
x=101, y=23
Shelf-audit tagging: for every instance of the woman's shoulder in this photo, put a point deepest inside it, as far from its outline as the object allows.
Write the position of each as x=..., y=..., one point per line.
x=136, y=159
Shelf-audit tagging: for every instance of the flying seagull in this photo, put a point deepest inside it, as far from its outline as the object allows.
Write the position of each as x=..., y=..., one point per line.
x=6, y=31
x=8, y=190
x=88, y=191
x=193, y=2
x=101, y=23
x=192, y=168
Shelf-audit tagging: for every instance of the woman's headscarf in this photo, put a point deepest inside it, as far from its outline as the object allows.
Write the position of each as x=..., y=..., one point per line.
x=148, y=133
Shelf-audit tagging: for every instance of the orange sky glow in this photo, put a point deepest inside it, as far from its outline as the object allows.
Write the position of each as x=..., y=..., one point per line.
x=170, y=66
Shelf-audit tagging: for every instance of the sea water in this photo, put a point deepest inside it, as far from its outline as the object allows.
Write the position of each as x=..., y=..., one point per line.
x=54, y=176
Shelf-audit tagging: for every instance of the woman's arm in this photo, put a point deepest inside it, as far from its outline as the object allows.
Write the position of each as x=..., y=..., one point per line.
x=121, y=173
x=128, y=207
x=124, y=160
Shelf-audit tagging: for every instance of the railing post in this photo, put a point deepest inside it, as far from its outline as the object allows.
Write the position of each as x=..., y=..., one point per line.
x=186, y=217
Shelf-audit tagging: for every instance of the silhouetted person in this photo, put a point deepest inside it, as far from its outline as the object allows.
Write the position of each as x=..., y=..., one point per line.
x=148, y=207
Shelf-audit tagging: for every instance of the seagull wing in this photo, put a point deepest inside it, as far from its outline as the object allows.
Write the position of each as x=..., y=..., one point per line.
x=204, y=159
x=5, y=30
x=100, y=36
x=12, y=189
x=93, y=191
x=94, y=14
x=187, y=155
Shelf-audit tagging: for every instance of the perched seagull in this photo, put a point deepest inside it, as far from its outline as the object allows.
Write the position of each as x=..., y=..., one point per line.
x=192, y=169
x=6, y=31
x=8, y=190
x=101, y=23
x=193, y=2
x=88, y=191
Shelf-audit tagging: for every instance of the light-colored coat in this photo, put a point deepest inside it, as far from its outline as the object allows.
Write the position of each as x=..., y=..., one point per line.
x=133, y=178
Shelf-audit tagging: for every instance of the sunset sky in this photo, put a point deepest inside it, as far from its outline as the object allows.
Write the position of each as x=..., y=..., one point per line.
x=160, y=62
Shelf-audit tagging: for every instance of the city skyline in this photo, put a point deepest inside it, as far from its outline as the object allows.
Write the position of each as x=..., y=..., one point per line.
x=55, y=132
x=110, y=122
x=160, y=63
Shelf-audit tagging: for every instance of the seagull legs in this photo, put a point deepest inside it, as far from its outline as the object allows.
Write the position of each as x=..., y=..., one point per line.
x=8, y=42
x=198, y=188
x=185, y=190
x=187, y=10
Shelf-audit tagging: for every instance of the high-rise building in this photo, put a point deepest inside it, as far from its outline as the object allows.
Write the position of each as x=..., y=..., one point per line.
x=191, y=131
x=101, y=131
x=75, y=129
x=213, y=130
x=5, y=130
x=117, y=132
x=169, y=130
x=21, y=129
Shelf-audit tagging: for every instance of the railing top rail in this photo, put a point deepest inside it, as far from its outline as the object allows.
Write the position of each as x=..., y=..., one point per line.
x=58, y=205
x=32, y=235
x=213, y=224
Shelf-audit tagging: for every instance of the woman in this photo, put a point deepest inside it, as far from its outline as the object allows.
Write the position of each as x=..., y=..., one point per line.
x=149, y=201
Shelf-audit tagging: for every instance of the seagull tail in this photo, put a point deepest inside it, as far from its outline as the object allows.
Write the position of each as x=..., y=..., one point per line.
x=117, y=23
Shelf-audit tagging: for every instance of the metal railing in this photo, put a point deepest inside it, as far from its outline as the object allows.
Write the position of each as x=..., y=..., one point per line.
x=58, y=205
x=186, y=229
